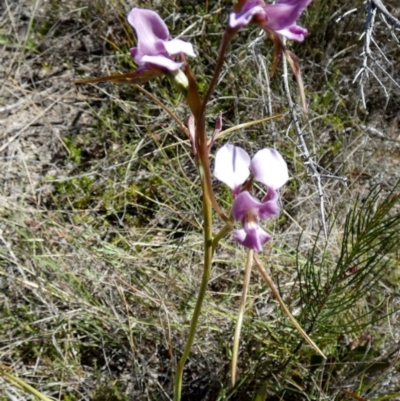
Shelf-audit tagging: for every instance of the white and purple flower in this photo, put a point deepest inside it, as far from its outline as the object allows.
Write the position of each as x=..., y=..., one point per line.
x=232, y=167
x=155, y=50
x=280, y=17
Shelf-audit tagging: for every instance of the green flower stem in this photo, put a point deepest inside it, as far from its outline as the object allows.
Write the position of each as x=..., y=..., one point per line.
x=239, y=322
x=225, y=230
x=208, y=253
x=208, y=202
x=276, y=294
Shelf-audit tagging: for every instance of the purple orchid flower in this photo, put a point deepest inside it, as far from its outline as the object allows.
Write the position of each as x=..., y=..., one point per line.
x=155, y=51
x=280, y=17
x=232, y=167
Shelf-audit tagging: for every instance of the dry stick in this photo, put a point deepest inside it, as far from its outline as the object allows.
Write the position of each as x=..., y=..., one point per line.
x=380, y=6
x=303, y=146
x=363, y=71
x=275, y=292
x=242, y=308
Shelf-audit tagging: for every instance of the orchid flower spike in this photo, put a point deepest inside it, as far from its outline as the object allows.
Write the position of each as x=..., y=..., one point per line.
x=154, y=50
x=232, y=167
x=280, y=17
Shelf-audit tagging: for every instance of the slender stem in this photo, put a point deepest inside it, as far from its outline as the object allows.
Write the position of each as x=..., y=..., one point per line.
x=276, y=294
x=239, y=322
x=201, y=133
x=208, y=252
x=218, y=67
x=208, y=202
x=225, y=230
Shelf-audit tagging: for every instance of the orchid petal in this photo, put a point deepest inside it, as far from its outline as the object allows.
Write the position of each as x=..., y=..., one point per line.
x=162, y=62
x=269, y=168
x=148, y=25
x=232, y=166
x=154, y=49
x=151, y=32
x=284, y=13
x=238, y=20
x=176, y=46
x=253, y=238
x=294, y=32
x=245, y=202
x=280, y=17
x=270, y=205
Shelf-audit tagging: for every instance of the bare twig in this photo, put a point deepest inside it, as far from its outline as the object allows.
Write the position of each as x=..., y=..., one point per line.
x=367, y=55
x=309, y=162
x=362, y=73
x=382, y=9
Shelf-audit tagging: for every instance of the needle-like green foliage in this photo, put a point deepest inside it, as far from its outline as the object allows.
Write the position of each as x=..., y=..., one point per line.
x=334, y=290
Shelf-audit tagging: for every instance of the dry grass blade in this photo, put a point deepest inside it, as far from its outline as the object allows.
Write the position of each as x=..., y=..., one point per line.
x=19, y=382
x=275, y=292
x=242, y=309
